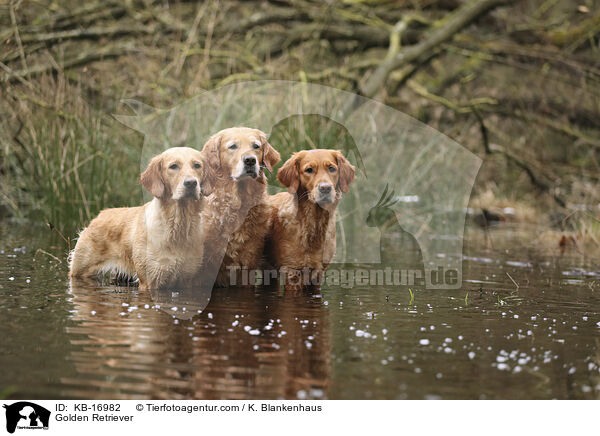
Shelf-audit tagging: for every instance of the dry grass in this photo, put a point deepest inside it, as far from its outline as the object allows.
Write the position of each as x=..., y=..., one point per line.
x=63, y=160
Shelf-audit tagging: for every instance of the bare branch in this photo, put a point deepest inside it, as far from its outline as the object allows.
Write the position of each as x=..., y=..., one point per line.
x=446, y=30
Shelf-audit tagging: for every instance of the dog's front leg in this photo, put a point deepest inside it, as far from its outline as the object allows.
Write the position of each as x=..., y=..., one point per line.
x=316, y=280
x=293, y=280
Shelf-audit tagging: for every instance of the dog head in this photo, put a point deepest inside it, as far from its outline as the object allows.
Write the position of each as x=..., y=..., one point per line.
x=321, y=175
x=239, y=153
x=179, y=173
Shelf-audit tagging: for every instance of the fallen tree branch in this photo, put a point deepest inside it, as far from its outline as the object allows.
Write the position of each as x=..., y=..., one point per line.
x=460, y=108
x=459, y=20
x=82, y=58
x=508, y=110
x=89, y=33
x=535, y=180
x=536, y=177
x=530, y=52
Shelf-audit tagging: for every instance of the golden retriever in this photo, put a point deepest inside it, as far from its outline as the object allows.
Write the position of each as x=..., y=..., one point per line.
x=162, y=241
x=237, y=216
x=302, y=238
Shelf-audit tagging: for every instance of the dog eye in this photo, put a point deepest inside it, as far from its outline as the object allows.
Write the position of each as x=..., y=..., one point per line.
x=174, y=167
x=332, y=169
x=232, y=146
x=196, y=165
x=309, y=170
x=256, y=146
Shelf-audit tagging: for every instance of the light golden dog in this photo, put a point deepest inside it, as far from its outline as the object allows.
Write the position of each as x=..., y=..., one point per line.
x=302, y=237
x=237, y=216
x=162, y=241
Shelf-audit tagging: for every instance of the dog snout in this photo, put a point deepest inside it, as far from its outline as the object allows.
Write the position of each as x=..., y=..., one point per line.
x=190, y=182
x=325, y=188
x=249, y=161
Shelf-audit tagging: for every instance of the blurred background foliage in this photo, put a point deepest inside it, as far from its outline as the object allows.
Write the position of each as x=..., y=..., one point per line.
x=516, y=82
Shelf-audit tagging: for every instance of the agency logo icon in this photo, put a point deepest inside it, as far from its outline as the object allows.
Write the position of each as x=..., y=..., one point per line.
x=406, y=210
x=26, y=415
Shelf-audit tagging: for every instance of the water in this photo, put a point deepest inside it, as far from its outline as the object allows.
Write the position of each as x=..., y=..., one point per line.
x=489, y=339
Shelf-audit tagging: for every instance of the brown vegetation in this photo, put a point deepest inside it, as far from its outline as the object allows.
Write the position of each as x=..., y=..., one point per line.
x=517, y=82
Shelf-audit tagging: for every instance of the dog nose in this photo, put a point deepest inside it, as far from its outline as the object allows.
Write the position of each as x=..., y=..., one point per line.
x=249, y=161
x=190, y=182
x=324, y=188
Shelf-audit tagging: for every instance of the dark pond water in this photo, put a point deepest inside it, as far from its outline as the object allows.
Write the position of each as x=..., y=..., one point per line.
x=487, y=340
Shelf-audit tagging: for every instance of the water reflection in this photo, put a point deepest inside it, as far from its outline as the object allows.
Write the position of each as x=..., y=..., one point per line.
x=244, y=344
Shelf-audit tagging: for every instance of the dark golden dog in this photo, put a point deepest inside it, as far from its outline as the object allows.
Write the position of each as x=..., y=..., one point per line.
x=303, y=220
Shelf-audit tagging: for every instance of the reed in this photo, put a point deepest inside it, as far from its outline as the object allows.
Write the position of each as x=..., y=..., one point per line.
x=66, y=160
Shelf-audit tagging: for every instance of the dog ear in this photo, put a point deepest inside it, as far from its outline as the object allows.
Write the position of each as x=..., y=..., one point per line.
x=270, y=156
x=289, y=175
x=152, y=179
x=209, y=178
x=212, y=152
x=347, y=172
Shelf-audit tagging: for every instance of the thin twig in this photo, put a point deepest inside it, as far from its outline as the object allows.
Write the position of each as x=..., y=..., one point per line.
x=13, y=20
x=39, y=250
x=516, y=284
